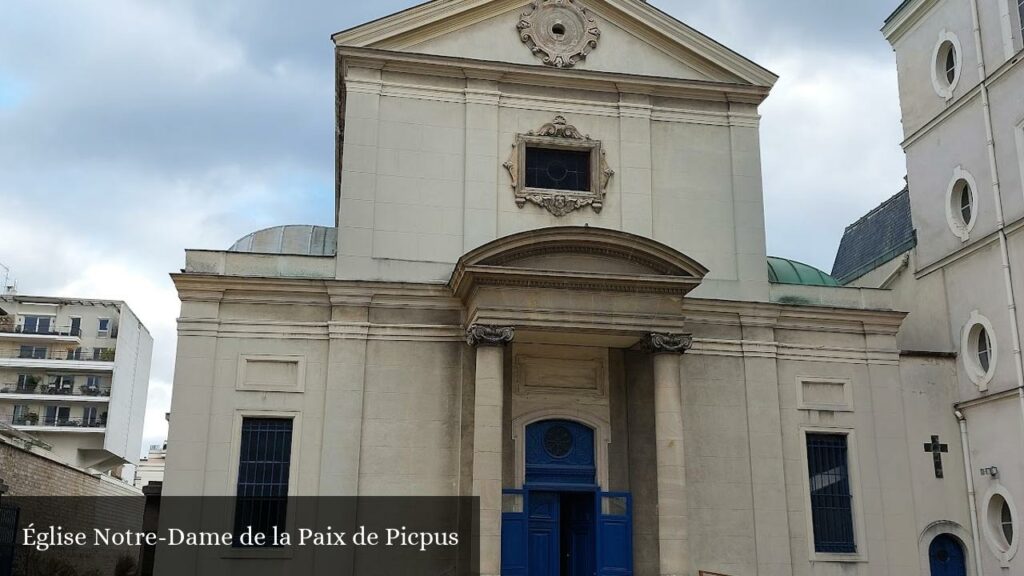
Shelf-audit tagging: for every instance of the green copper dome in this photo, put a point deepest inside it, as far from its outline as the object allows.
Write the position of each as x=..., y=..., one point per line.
x=783, y=271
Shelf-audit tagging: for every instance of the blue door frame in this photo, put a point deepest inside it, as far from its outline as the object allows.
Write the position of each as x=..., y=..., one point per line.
x=531, y=520
x=560, y=523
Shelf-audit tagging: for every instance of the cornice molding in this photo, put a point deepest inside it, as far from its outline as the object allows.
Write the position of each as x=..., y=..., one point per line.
x=905, y=17
x=575, y=78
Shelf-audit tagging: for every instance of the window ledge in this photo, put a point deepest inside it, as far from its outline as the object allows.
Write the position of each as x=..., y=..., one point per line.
x=856, y=557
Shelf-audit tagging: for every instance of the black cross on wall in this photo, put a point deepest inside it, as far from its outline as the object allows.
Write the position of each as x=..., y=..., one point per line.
x=936, y=450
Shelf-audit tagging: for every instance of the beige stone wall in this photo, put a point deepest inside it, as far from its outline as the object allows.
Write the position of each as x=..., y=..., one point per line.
x=387, y=402
x=422, y=180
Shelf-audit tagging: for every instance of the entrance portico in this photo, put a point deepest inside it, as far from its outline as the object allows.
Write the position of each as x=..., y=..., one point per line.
x=553, y=314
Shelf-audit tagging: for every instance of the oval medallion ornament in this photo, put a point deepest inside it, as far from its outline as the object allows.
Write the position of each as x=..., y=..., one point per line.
x=561, y=32
x=558, y=441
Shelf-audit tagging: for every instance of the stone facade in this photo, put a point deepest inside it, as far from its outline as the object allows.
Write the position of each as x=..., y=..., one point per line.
x=453, y=318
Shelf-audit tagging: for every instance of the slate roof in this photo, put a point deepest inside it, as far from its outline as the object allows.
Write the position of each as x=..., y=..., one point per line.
x=881, y=235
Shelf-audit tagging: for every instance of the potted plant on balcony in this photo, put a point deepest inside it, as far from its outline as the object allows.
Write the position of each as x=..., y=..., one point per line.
x=32, y=418
x=106, y=355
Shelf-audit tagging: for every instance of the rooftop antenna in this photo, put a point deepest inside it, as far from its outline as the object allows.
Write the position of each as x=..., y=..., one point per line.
x=9, y=287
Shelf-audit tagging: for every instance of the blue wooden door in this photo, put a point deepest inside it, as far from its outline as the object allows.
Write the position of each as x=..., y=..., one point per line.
x=614, y=534
x=514, y=533
x=946, y=556
x=544, y=546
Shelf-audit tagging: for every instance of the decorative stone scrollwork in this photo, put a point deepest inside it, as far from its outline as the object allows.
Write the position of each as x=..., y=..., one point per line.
x=559, y=128
x=559, y=133
x=560, y=32
x=659, y=343
x=480, y=335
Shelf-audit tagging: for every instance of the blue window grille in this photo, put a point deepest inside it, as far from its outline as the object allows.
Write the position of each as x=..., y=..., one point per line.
x=831, y=500
x=263, y=470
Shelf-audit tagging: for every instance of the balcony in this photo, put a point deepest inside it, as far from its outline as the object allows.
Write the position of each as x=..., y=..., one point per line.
x=55, y=390
x=33, y=423
x=43, y=357
x=45, y=333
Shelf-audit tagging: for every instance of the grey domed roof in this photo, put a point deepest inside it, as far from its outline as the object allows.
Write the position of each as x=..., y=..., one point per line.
x=297, y=239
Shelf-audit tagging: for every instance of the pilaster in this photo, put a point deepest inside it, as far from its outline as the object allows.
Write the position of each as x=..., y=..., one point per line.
x=480, y=224
x=490, y=344
x=635, y=172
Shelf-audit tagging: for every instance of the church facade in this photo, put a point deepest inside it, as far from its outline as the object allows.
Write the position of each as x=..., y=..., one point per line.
x=547, y=287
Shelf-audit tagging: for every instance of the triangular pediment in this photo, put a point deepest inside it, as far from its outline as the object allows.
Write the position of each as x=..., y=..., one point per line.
x=633, y=38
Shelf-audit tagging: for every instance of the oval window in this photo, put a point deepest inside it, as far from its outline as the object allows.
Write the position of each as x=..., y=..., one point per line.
x=961, y=204
x=984, y=348
x=1000, y=522
x=966, y=202
x=978, y=350
x=951, y=64
x=947, y=65
x=1006, y=522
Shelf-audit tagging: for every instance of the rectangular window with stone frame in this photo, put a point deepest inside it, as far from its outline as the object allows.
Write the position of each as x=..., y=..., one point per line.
x=264, y=467
x=831, y=494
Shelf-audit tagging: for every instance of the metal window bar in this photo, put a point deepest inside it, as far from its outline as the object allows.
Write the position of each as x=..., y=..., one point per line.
x=263, y=471
x=831, y=500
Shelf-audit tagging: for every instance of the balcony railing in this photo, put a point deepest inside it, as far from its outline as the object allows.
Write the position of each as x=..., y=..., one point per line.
x=36, y=421
x=42, y=353
x=56, y=389
x=8, y=328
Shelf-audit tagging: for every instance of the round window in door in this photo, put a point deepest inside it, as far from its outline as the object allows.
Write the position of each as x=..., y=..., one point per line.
x=946, y=556
x=560, y=452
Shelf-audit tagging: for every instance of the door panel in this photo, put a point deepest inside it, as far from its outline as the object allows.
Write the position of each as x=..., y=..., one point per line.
x=614, y=534
x=514, y=536
x=946, y=557
x=544, y=534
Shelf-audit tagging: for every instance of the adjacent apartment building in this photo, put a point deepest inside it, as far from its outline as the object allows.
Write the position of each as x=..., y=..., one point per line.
x=74, y=373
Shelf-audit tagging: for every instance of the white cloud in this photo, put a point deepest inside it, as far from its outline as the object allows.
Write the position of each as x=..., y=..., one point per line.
x=830, y=148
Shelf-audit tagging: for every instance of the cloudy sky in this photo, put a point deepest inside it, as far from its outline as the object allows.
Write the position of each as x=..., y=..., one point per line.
x=132, y=129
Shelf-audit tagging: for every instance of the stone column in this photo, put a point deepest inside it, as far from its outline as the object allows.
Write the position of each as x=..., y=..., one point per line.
x=673, y=546
x=487, y=436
